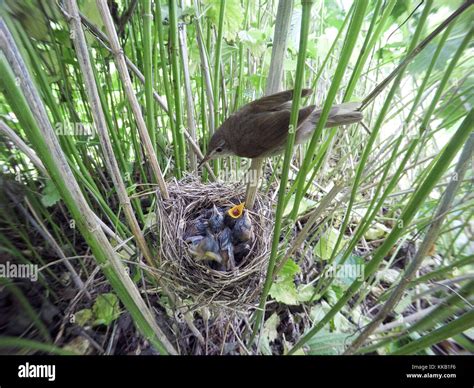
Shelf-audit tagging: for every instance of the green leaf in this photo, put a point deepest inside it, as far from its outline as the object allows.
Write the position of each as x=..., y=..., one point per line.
x=255, y=39
x=90, y=11
x=306, y=293
x=283, y=290
x=269, y=334
x=339, y=323
x=234, y=15
x=50, y=194
x=106, y=309
x=376, y=232
x=305, y=204
x=289, y=270
x=83, y=317
x=327, y=243
x=327, y=344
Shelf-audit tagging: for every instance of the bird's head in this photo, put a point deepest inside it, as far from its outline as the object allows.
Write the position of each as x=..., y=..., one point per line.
x=218, y=148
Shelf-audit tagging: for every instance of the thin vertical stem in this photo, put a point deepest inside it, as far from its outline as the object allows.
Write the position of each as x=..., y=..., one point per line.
x=101, y=126
x=147, y=49
x=408, y=213
x=178, y=105
x=132, y=98
x=305, y=22
x=349, y=44
x=47, y=146
x=430, y=238
x=217, y=69
x=189, y=96
x=274, y=82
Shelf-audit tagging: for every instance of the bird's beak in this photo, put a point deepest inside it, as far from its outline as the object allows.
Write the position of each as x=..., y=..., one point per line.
x=237, y=210
x=204, y=160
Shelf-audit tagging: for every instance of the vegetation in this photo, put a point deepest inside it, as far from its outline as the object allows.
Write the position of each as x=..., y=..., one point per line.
x=106, y=105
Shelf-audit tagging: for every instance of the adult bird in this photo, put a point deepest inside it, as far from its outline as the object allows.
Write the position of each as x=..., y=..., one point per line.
x=260, y=128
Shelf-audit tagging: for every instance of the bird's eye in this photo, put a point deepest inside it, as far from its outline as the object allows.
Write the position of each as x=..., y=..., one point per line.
x=219, y=149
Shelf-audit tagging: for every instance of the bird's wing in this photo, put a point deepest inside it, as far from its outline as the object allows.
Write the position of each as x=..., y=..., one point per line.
x=261, y=134
x=275, y=102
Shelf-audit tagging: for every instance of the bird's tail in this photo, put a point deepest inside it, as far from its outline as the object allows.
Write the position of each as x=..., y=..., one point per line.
x=341, y=114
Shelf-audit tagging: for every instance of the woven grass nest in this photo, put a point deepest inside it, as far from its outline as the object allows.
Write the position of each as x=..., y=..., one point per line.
x=195, y=281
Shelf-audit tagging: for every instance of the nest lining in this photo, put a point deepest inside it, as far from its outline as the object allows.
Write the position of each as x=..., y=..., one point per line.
x=195, y=281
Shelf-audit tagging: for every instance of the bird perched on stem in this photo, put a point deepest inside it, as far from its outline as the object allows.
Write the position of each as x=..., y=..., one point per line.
x=260, y=128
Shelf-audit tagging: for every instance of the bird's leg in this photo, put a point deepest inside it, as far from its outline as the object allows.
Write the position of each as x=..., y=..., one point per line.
x=254, y=173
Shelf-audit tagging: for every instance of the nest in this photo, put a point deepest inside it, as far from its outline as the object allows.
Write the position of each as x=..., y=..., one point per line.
x=194, y=281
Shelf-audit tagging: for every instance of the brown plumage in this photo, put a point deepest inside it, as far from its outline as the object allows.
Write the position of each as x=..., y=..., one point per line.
x=260, y=128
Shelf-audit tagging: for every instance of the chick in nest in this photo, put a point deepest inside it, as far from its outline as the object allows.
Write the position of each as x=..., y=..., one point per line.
x=207, y=249
x=243, y=229
x=195, y=229
x=226, y=249
x=216, y=220
x=241, y=251
x=233, y=214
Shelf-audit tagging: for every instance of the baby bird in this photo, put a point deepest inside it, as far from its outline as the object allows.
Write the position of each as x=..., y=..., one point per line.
x=226, y=249
x=234, y=213
x=216, y=220
x=206, y=249
x=243, y=229
x=195, y=229
x=241, y=251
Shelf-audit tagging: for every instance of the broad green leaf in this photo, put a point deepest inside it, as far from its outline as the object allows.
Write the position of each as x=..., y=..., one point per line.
x=305, y=204
x=106, y=309
x=269, y=334
x=83, y=317
x=255, y=40
x=305, y=293
x=347, y=273
x=233, y=16
x=50, y=194
x=289, y=270
x=376, y=232
x=284, y=290
x=327, y=243
x=327, y=344
x=339, y=323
